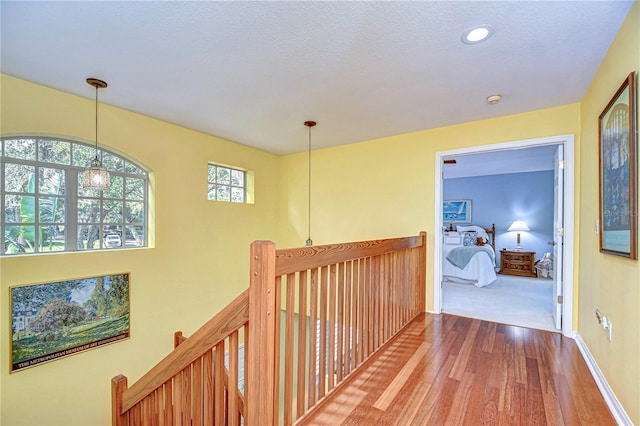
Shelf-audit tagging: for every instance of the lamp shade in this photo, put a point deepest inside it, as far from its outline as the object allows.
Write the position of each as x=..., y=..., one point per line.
x=518, y=225
x=95, y=177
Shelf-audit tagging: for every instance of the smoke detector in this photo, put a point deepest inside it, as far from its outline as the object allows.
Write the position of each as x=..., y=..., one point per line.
x=494, y=99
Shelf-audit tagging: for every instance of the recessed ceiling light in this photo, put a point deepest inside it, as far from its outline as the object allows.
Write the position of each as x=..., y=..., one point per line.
x=477, y=34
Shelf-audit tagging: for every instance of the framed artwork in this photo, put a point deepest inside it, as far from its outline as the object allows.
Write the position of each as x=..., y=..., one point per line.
x=456, y=211
x=58, y=319
x=618, y=158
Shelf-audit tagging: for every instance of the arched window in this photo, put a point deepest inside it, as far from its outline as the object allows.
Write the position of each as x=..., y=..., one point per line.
x=45, y=208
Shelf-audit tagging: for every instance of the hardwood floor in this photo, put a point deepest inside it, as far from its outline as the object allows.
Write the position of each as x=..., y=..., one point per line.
x=445, y=369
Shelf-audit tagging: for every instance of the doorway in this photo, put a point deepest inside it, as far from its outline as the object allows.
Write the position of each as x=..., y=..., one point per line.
x=563, y=237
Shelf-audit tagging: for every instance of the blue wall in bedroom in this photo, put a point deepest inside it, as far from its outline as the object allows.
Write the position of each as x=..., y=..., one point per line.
x=501, y=199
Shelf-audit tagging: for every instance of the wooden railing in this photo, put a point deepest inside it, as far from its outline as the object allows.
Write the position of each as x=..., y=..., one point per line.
x=188, y=386
x=310, y=318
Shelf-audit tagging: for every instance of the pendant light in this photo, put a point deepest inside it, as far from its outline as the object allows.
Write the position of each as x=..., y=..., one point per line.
x=309, y=124
x=96, y=177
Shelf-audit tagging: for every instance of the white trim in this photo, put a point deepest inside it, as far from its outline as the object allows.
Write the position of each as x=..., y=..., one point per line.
x=77, y=139
x=621, y=416
x=437, y=238
x=568, y=239
x=569, y=201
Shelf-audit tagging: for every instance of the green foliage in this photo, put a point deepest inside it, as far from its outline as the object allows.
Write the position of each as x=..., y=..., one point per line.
x=33, y=347
x=24, y=148
x=22, y=239
x=35, y=197
x=119, y=295
x=90, y=308
x=55, y=317
x=101, y=298
x=62, y=323
x=36, y=296
x=111, y=301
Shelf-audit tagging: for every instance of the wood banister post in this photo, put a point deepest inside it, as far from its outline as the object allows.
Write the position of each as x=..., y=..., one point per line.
x=261, y=368
x=422, y=281
x=118, y=386
x=178, y=338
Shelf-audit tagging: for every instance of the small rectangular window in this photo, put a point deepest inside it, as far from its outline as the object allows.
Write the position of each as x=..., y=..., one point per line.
x=227, y=184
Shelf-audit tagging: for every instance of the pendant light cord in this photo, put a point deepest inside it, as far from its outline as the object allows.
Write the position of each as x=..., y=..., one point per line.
x=309, y=211
x=97, y=124
x=309, y=124
x=96, y=177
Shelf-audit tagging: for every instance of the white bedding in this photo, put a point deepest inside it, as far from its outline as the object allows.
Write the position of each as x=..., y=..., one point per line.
x=480, y=271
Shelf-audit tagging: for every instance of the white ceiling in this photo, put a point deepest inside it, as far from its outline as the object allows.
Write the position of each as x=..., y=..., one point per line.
x=253, y=72
x=521, y=160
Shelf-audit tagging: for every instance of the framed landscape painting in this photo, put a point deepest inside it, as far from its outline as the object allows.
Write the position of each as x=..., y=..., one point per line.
x=618, y=158
x=58, y=319
x=456, y=211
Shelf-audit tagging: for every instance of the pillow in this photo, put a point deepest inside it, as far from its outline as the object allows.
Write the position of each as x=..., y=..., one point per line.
x=480, y=230
x=453, y=239
x=470, y=238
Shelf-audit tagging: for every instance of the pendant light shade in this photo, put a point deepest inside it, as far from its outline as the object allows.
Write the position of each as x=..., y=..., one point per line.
x=309, y=124
x=96, y=177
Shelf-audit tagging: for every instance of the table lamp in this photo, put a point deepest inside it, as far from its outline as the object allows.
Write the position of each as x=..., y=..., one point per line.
x=518, y=225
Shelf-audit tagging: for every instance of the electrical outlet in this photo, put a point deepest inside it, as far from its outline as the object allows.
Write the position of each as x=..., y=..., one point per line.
x=605, y=323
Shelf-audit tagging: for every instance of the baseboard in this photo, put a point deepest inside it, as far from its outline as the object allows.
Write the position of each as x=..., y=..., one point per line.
x=610, y=398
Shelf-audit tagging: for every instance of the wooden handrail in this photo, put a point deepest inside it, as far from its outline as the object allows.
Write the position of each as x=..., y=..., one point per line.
x=360, y=295
x=301, y=258
x=232, y=317
x=345, y=300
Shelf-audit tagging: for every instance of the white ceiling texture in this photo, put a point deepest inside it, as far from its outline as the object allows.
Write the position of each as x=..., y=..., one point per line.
x=253, y=72
x=520, y=160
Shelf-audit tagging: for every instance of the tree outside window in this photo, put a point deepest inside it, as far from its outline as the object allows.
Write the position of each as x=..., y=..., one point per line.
x=46, y=209
x=227, y=184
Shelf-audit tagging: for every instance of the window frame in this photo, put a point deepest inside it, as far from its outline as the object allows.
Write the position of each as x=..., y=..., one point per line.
x=246, y=177
x=121, y=167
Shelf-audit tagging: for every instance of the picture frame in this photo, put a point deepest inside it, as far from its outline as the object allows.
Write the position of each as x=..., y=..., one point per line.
x=618, y=173
x=456, y=211
x=58, y=319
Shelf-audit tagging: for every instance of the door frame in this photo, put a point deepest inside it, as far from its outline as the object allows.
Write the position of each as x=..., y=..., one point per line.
x=568, y=204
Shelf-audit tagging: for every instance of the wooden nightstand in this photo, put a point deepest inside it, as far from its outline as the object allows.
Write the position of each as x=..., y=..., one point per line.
x=517, y=263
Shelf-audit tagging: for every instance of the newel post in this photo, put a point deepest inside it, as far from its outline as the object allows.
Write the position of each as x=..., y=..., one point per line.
x=118, y=386
x=261, y=355
x=178, y=338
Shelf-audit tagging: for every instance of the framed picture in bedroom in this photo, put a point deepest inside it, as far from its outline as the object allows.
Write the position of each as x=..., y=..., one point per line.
x=57, y=319
x=456, y=211
x=618, y=170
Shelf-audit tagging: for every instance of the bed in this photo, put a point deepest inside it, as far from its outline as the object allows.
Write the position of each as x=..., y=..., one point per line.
x=468, y=255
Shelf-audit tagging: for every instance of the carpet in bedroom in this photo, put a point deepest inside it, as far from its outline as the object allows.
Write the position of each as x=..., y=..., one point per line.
x=525, y=302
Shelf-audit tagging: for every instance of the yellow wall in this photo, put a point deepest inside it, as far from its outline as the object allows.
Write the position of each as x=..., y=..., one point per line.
x=608, y=282
x=385, y=188
x=379, y=188
x=198, y=265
